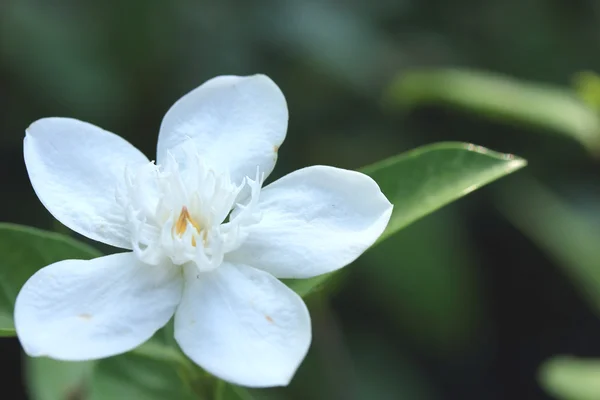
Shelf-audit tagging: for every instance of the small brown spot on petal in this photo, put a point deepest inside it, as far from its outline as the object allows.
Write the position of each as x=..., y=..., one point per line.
x=276, y=148
x=86, y=317
x=268, y=318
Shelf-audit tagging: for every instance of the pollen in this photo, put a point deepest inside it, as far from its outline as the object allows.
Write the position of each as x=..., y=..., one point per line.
x=182, y=223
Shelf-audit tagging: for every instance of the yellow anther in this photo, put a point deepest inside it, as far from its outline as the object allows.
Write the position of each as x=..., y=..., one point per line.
x=182, y=223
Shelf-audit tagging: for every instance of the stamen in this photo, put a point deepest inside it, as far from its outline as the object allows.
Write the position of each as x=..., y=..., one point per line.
x=152, y=195
x=182, y=223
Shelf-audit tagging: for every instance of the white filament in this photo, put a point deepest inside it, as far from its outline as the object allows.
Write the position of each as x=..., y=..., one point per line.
x=155, y=196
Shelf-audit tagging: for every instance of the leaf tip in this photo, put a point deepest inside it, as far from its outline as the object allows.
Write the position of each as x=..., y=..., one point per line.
x=513, y=162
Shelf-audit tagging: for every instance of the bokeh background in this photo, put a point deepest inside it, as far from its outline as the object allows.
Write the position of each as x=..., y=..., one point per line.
x=468, y=302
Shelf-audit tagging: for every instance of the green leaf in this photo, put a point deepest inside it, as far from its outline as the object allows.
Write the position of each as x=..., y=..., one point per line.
x=24, y=251
x=150, y=371
x=422, y=180
x=570, y=378
x=155, y=371
x=500, y=97
x=141, y=376
x=49, y=379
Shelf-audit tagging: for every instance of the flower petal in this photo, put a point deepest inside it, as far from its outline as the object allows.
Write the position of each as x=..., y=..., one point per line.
x=236, y=123
x=315, y=220
x=74, y=168
x=83, y=310
x=242, y=325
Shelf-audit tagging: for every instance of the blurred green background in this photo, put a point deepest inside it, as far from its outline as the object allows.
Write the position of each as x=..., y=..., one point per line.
x=464, y=304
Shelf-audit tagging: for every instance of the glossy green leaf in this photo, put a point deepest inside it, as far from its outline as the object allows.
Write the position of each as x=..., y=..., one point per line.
x=422, y=180
x=24, y=251
x=503, y=98
x=570, y=378
x=49, y=379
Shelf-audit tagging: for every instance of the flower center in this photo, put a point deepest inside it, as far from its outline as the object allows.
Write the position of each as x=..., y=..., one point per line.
x=184, y=211
x=182, y=223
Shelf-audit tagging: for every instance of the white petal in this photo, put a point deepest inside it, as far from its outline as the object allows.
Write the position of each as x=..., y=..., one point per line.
x=315, y=220
x=236, y=124
x=242, y=325
x=74, y=168
x=83, y=310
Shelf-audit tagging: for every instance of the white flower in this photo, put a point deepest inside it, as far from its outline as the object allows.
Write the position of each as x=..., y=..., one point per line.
x=207, y=243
